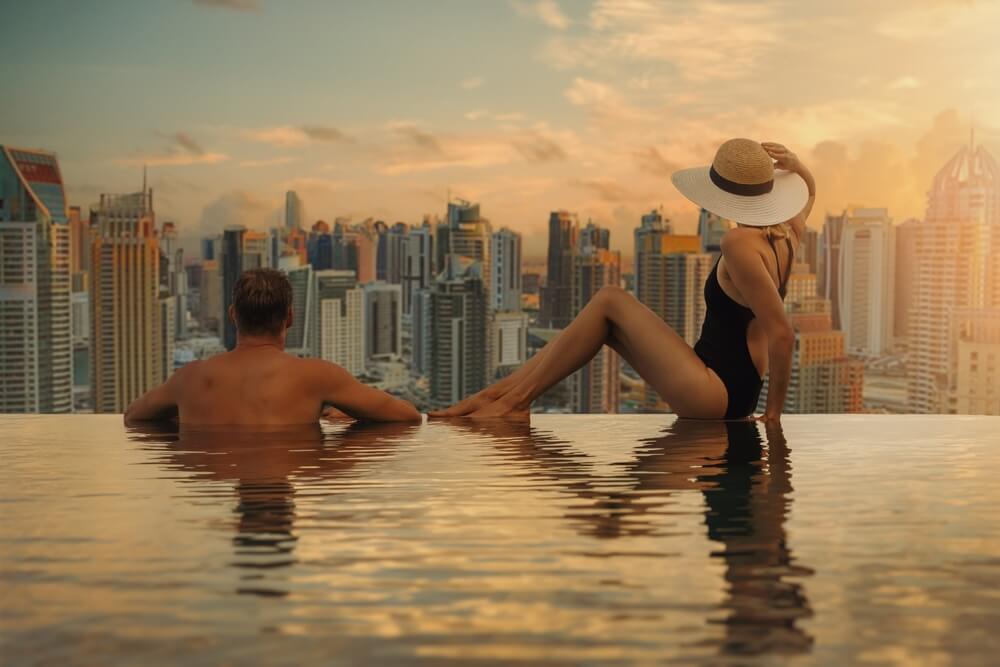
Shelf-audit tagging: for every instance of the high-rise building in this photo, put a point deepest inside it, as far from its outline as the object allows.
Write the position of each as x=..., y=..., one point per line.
x=509, y=342
x=420, y=332
x=256, y=250
x=168, y=332
x=469, y=235
x=80, y=304
x=595, y=387
x=957, y=267
x=232, y=267
x=210, y=312
x=711, y=229
x=829, y=279
x=906, y=259
x=339, y=320
x=383, y=320
x=802, y=284
x=293, y=211
x=823, y=378
x=867, y=281
x=809, y=250
x=300, y=337
x=505, y=253
x=79, y=234
x=174, y=278
x=557, y=293
x=974, y=374
x=36, y=365
x=128, y=334
x=419, y=267
x=670, y=279
x=459, y=319
x=390, y=262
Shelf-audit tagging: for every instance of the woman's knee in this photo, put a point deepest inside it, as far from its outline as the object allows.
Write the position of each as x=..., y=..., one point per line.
x=611, y=296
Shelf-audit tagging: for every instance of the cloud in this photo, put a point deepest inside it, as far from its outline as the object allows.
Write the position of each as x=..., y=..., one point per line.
x=905, y=82
x=182, y=150
x=419, y=138
x=537, y=148
x=652, y=162
x=476, y=114
x=238, y=207
x=546, y=11
x=605, y=189
x=271, y=162
x=237, y=5
x=288, y=135
x=703, y=41
x=472, y=83
x=188, y=144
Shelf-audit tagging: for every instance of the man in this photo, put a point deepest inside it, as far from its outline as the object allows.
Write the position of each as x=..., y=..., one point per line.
x=257, y=383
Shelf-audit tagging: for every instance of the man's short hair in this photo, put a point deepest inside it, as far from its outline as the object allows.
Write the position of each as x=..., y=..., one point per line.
x=261, y=299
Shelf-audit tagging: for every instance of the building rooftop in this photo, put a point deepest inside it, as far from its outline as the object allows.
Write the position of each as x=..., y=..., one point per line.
x=575, y=539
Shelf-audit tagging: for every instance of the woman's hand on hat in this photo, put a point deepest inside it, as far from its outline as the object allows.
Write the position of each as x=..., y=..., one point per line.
x=783, y=158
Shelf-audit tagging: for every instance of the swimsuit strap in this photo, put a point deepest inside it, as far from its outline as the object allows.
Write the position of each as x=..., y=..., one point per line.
x=782, y=282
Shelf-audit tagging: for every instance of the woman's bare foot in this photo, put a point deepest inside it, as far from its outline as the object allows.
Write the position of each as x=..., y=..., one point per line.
x=503, y=407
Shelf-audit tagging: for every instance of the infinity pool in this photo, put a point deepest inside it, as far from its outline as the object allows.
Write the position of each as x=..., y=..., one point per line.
x=578, y=540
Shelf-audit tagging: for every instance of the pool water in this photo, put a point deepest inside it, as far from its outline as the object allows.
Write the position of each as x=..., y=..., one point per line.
x=575, y=540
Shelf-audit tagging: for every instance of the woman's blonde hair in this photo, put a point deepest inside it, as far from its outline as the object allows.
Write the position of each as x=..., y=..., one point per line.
x=780, y=230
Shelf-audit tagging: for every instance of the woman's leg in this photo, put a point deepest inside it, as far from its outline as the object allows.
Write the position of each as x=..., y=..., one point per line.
x=647, y=343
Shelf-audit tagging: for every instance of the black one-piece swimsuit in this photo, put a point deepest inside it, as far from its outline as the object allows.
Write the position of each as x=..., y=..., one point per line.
x=722, y=345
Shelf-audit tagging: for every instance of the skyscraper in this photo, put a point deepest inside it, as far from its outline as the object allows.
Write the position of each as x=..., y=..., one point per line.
x=505, y=253
x=210, y=312
x=419, y=267
x=957, y=266
x=232, y=267
x=383, y=320
x=906, y=259
x=421, y=349
x=711, y=229
x=829, y=279
x=595, y=387
x=390, y=265
x=823, y=378
x=36, y=367
x=469, y=235
x=974, y=374
x=300, y=337
x=867, y=281
x=293, y=211
x=459, y=318
x=557, y=293
x=128, y=355
x=670, y=279
x=339, y=321
x=174, y=279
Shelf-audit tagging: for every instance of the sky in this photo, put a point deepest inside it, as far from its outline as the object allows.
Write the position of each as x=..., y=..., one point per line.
x=385, y=109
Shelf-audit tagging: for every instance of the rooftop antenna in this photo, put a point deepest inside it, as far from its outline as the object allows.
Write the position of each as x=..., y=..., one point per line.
x=144, y=177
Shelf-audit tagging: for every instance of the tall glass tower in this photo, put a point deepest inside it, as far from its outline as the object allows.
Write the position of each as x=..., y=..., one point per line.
x=36, y=362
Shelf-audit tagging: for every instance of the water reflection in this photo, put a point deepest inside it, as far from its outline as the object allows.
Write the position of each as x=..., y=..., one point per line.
x=746, y=484
x=262, y=467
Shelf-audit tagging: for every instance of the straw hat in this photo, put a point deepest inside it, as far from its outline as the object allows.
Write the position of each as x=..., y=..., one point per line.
x=741, y=185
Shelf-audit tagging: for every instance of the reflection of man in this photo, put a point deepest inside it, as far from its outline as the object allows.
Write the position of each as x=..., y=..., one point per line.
x=746, y=496
x=257, y=383
x=265, y=469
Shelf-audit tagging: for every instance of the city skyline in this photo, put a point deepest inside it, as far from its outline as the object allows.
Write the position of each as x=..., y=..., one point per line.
x=587, y=107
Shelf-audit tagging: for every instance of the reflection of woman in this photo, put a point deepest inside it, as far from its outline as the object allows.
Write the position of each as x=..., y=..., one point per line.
x=745, y=331
x=746, y=502
x=263, y=466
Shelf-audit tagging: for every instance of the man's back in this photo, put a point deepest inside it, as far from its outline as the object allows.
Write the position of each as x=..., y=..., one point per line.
x=257, y=384
x=262, y=386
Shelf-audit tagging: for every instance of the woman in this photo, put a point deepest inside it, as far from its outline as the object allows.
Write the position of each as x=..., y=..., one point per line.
x=745, y=334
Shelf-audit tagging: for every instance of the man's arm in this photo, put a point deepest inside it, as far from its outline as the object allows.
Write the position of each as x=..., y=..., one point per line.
x=358, y=400
x=159, y=404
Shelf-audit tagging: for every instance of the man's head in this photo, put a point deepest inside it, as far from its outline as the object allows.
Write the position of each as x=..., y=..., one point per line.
x=262, y=303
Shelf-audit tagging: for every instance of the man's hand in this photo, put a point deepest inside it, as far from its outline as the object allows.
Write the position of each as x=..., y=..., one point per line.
x=769, y=418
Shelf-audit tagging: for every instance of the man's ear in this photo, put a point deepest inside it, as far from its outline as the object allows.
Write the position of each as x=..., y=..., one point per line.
x=289, y=320
x=232, y=315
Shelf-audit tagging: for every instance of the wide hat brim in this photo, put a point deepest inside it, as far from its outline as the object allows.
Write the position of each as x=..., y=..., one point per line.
x=785, y=200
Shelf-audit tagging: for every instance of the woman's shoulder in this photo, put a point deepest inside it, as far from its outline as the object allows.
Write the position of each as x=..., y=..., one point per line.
x=739, y=238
